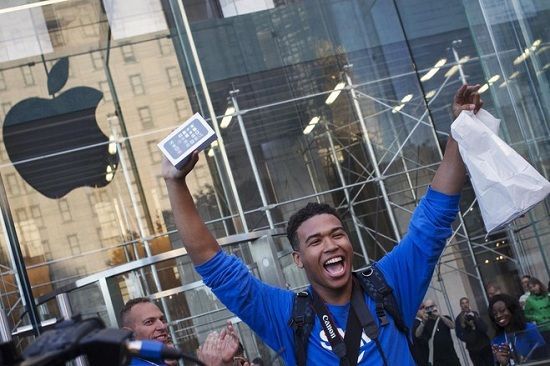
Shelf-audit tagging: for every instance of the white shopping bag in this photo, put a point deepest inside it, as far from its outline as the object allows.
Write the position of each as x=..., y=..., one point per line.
x=505, y=184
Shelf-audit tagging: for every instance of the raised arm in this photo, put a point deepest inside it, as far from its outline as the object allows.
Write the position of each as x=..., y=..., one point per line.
x=430, y=226
x=451, y=174
x=197, y=239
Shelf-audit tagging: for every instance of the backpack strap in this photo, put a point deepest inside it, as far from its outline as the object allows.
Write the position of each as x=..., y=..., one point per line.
x=374, y=284
x=303, y=318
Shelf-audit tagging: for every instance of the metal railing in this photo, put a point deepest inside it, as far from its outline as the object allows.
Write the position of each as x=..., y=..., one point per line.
x=102, y=279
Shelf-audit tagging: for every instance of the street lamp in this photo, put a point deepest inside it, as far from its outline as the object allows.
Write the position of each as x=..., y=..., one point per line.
x=311, y=125
x=227, y=117
x=335, y=93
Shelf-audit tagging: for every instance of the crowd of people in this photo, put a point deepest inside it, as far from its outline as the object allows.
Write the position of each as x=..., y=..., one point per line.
x=346, y=318
x=520, y=329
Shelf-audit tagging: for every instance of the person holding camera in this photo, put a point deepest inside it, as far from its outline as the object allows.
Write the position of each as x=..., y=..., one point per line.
x=420, y=344
x=472, y=330
x=436, y=329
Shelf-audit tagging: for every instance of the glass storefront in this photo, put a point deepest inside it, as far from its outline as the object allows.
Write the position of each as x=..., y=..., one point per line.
x=345, y=102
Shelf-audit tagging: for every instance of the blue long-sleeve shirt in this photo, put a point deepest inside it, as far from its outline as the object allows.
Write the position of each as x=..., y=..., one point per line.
x=408, y=269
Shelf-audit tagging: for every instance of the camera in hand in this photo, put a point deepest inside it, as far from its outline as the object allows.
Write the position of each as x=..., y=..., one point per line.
x=430, y=310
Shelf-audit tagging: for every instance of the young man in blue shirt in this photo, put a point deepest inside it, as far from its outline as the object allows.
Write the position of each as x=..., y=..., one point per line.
x=323, y=249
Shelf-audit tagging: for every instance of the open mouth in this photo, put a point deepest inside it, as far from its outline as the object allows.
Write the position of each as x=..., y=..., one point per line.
x=502, y=321
x=162, y=338
x=335, y=266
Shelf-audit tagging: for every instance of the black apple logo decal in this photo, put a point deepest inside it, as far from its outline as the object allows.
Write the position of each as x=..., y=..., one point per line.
x=56, y=144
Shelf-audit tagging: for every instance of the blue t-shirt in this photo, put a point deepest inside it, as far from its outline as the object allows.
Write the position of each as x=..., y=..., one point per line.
x=408, y=269
x=522, y=342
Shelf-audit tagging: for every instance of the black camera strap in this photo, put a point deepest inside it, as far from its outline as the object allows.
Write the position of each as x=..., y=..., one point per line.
x=346, y=349
x=330, y=328
x=365, y=319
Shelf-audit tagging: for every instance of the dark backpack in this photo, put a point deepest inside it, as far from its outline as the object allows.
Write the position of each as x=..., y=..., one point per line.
x=372, y=282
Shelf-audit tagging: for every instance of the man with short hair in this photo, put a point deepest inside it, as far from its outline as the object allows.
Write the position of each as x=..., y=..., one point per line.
x=472, y=330
x=147, y=322
x=323, y=249
x=525, y=286
x=420, y=343
x=436, y=329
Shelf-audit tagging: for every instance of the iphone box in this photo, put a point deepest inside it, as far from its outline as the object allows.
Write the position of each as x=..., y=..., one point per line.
x=193, y=134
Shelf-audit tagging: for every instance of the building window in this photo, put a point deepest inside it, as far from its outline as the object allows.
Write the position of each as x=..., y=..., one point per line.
x=20, y=215
x=145, y=117
x=3, y=85
x=47, y=250
x=165, y=46
x=6, y=106
x=174, y=76
x=137, y=84
x=162, y=186
x=181, y=108
x=97, y=60
x=96, y=198
x=13, y=184
x=57, y=39
x=128, y=53
x=104, y=87
x=154, y=151
x=36, y=215
x=90, y=29
x=3, y=152
x=28, y=77
x=65, y=210
x=74, y=244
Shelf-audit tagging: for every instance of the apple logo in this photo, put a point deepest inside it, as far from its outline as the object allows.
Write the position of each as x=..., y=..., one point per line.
x=56, y=144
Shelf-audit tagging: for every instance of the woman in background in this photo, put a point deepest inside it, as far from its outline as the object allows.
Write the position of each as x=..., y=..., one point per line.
x=537, y=306
x=516, y=340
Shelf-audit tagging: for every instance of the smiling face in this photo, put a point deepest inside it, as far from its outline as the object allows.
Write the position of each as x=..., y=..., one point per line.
x=148, y=322
x=325, y=253
x=502, y=314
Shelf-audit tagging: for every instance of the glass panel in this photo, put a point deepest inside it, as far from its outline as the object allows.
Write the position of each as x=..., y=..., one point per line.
x=342, y=102
x=81, y=115
x=511, y=40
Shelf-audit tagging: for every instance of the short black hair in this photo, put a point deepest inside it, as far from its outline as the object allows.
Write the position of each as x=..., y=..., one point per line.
x=128, y=307
x=518, y=321
x=310, y=210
